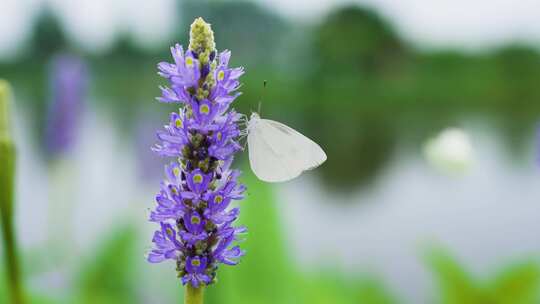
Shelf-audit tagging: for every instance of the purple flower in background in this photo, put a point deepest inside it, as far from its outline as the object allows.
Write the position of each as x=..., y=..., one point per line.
x=68, y=84
x=199, y=187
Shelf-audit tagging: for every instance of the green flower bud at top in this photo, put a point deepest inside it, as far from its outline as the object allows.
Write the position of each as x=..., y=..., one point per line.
x=201, y=40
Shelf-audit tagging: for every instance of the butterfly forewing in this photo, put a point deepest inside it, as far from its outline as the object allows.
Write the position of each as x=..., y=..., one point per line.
x=279, y=153
x=266, y=159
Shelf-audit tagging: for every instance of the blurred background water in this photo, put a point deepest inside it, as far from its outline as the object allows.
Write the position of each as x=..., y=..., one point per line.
x=371, y=81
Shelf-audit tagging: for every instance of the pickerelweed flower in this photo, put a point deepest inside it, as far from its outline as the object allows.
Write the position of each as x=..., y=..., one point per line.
x=68, y=83
x=194, y=203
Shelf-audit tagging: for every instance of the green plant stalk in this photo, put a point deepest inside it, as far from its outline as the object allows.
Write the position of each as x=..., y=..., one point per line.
x=193, y=295
x=7, y=181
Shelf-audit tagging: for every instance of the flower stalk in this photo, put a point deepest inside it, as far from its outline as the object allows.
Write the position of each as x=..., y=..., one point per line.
x=193, y=295
x=194, y=206
x=7, y=183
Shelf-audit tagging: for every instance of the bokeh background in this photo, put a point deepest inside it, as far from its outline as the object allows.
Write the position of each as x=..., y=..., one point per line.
x=384, y=220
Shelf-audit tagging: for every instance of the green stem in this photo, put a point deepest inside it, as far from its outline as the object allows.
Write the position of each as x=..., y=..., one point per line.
x=193, y=295
x=7, y=181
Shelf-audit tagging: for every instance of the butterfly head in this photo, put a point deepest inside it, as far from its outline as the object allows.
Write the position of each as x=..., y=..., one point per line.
x=254, y=115
x=252, y=120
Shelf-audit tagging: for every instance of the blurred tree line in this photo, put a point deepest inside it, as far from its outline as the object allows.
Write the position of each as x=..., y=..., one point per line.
x=348, y=81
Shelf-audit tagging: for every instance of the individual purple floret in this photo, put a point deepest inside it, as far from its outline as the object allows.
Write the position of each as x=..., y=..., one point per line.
x=68, y=84
x=196, y=268
x=194, y=205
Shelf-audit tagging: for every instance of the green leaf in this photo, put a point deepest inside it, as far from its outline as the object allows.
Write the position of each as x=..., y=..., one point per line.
x=518, y=284
x=265, y=274
x=109, y=275
x=324, y=288
x=7, y=199
x=372, y=291
x=455, y=284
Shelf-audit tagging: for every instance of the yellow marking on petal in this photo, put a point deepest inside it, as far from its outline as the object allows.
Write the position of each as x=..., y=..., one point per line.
x=220, y=75
x=169, y=231
x=197, y=178
x=204, y=109
x=219, y=136
x=195, y=219
x=178, y=123
x=218, y=199
x=189, y=62
x=196, y=262
x=176, y=171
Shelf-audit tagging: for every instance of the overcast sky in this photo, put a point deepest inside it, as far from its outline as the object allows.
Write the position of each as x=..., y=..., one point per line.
x=471, y=24
x=464, y=24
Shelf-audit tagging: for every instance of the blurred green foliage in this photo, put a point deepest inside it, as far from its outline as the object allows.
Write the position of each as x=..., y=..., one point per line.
x=265, y=274
x=516, y=284
x=110, y=273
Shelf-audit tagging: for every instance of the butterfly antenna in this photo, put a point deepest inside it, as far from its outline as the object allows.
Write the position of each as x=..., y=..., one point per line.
x=262, y=97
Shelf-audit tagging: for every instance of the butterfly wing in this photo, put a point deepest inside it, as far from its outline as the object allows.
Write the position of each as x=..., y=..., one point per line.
x=279, y=153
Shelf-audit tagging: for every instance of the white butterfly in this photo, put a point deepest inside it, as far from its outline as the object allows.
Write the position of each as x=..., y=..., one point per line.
x=278, y=153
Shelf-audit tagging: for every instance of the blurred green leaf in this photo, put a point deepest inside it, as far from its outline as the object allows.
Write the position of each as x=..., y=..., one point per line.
x=320, y=289
x=517, y=284
x=8, y=157
x=265, y=274
x=456, y=285
x=332, y=287
x=372, y=291
x=109, y=276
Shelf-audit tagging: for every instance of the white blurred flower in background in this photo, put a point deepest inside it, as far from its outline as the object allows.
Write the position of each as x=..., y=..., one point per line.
x=450, y=152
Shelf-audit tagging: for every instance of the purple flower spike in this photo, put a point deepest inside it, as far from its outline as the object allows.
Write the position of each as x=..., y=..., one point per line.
x=68, y=84
x=193, y=205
